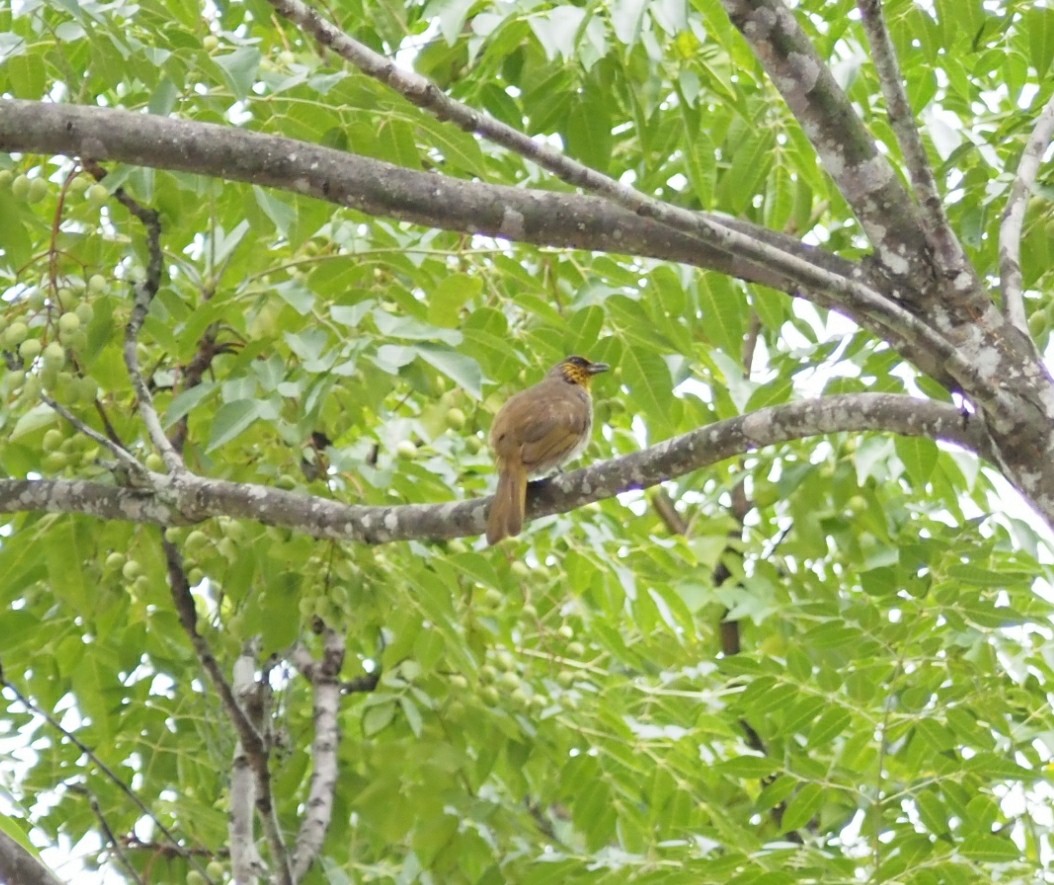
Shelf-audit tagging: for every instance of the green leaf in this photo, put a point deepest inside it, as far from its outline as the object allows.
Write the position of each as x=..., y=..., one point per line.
x=231, y=420
x=239, y=69
x=802, y=807
x=983, y=848
x=463, y=370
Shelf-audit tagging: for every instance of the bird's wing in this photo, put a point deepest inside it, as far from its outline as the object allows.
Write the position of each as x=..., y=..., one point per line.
x=553, y=431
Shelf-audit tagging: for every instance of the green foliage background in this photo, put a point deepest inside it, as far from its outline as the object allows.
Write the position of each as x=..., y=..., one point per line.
x=554, y=710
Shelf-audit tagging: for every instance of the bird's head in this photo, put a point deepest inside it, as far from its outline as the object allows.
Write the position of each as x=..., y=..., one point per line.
x=578, y=370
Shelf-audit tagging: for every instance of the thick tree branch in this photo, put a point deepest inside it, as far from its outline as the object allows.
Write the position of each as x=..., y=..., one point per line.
x=1014, y=217
x=197, y=499
x=942, y=238
x=324, y=676
x=19, y=867
x=888, y=215
x=540, y=217
x=246, y=863
x=711, y=229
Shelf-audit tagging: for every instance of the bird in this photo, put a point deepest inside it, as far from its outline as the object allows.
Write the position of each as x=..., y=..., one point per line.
x=536, y=431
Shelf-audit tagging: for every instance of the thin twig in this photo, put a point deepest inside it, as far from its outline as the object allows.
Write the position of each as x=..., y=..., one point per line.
x=249, y=736
x=115, y=842
x=105, y=769
x=426, y=95
x=119, y=452
x=856, y=294
x=1014, y=217
x=946, y=246
x=144, y=295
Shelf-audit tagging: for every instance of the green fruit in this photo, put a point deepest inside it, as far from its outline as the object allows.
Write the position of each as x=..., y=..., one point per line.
x=131, y=570
x=55, y=461
x=53, y=439
x=16, y=333
x=510, y=680
x=196, y=540
x=575, y=649
x=458, y=682
x=97, y=284
x=80, y=184
x=38, y=189
x=84, y=312
x=69, y=323
x=487, y=673
x=520, y=569
x=155, y=462
x=6, y=177
x=195, y=878
x=115, y=561
x=455, y=419
x=74, y=340
x=54, y=355
x=30, y=349
x=406, y=450
x=490, y=695
x=97, y=194
x=210, y=43
x=215, y=870
x=20, y=187
x=67, y=298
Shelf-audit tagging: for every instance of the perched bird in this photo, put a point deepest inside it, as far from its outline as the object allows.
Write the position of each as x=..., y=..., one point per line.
x=535, y=432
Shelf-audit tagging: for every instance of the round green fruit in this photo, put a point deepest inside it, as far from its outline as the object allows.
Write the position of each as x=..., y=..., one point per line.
x=20, y=187
x=97, y=194
x=52, y=440
x=455, y=419
x=30, y=349
x=38, y=189
x=69, y=323
x=54, y=355
x=406, y=450
x=16, y=333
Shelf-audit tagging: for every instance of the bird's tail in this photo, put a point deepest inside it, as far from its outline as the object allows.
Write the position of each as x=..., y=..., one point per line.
x=506, y=511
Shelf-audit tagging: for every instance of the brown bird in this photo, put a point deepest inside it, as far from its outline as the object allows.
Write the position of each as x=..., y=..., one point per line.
x=535, y=432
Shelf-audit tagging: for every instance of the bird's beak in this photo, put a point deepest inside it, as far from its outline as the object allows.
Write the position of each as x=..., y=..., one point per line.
x=597, y=368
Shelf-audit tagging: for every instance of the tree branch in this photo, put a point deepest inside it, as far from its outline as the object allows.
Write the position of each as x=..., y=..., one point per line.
x=18, y=866
x=1014, y=217
x=711, y=230
x=888, y=215
x=248, y=734
x=246, y=863
x=541, y=217
x=144, y=295
x=371, y=186
x=324, y=676
x=108, y=772
x=942, y=239
x=196, y=499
